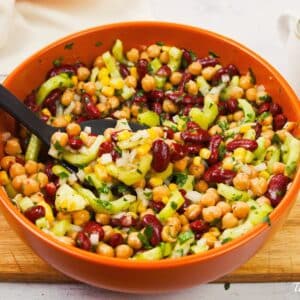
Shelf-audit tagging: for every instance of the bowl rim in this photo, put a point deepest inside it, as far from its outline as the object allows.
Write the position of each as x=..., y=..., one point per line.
x=286, y=202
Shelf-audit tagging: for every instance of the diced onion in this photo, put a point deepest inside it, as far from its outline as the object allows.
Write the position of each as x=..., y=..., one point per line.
x=80, y=174
x=94, y=238
x=87, y=130
x=225, y=78
x=106, y=158
x=194, y=196
x=260, y=167
x=72, y=178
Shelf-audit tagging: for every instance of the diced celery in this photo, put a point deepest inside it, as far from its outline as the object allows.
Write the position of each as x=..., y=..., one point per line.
x=260, y=151
x=160, y=81
x=42, y=223
x=200, y=246
x=149, y=118
x=33, y=148
x=203, y=85
x=188, y=185
x=164, y=174
x=291, y=154
x=152, y=254
x=127, y=92
x=274, y=153
x=111, y=65
x=249, y=113
x=94, y=74
x=60, y=171
x=61, y=227
x=250, y=134
x=232, y=194
x=11, y=192
x=175, y=55
x=154, y=65
x=183, y=244
x=117, y=51
x=25, y=203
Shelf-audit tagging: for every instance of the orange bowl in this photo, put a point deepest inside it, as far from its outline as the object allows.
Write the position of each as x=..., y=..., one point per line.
x=157, y=276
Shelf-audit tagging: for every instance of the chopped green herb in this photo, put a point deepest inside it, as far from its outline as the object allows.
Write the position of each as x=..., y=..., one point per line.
x=227, y=286
x=267, y=219
x=121, y=188
x=149, y=68
x=57, y=62
x=224, y=125
x=139, y=171
x=181, y=178
x=58, y=147
x=226, y=240
x=221, y=151
x=276, y=139
x=148, y=232
x=252, y=207
x=213, y=54
x=252, y=76
x=148, y=194
x=265, y=98
x=160, y=43
x=173, y=205
x=104, y=189
x=118, y=150
x=98, y=44
x=193, y=55
x=185, y=236
x=63, y=175
x=69, y=46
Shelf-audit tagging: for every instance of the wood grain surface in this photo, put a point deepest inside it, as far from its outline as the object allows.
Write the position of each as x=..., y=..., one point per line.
x=279, y=260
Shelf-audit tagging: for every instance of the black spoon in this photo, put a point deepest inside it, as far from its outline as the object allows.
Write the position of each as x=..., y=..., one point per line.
x=14, y=107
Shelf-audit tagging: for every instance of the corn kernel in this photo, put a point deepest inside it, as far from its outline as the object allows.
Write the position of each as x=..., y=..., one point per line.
x=101, y=172
x=4, y=180
x=172, y=187
x=68, y=118
x=103, y=73
x=144, y=149
x=239, y=154
x=133, y=72
x=197, y=161
x=48, y=211
x=264, y=174
x=74, y=80
x=227, y=163
x=88, y=169
x=105, y=81
x=249, y=156
x=205, y=153
x=155, y=181
x=108, y=91
x=244, y=128
x=46, y=112
x=117, y=83
x=165, y=199
x=141, y=208
x=168, y=86
x=124, y=135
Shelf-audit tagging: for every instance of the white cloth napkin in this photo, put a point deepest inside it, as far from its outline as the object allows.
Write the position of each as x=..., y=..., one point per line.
x=26, y=26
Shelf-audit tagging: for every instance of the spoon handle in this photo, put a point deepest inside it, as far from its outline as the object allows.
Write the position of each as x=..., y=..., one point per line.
x=14, y=107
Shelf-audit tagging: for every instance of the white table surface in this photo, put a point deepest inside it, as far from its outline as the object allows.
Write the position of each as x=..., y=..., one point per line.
x=252, y=23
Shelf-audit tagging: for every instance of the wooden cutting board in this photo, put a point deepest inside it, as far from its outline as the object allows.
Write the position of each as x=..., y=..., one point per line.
x=278, y=261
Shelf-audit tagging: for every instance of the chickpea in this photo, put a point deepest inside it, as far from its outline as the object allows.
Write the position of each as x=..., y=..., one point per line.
x=17, y=182
x=224, y=206
x=99, y=63
x=105, y=250
x=103, y=219
x=37, y=197
x=216, y=129
x=236, y=92
x=267, y=120
x=263, y=200
x=108, y=232
x=122, y=114
x=12, y=147
x=90, y=88
x=210, y=198
x=196, y=170
x=278, y=168
x=31, y=167
x=148, y=83
x=159, y=192
x=185, y=228
x=229, y=220
x=114, y=102
x=41, y=178
x=134, y=241
x=63, y=216
x=59, y=122
x=208, y=73
x=238, y=115
x=67, y=97
x=73, y=129
x=30, y=186
x=135, y=109
x=193, y=211
x=260, y=97
x=131, y=81
x=164, y=57
x=103, y=107
x=133, y=55
x=258, y=186
x=201, y=186
x=195, y=68
x=175, y=78
x=7, y=161
x=167, y=236
x=192, y=87
x=210, y=239
x=123, y=251
x=61, y=138
x=241, y=181
x=83, y=73
x=215, y=231
x=144, y=55
x=175, y=223
x=251, y=94
x=41, y=167
x=77, y=110
x=183, y=220
x=80, y=217
x=16, y=169
x=211, y=213
x=177, y=137
x=169, y=106
x=246, y=82
x=180, y=165
x=153, y=51
x=240, y=209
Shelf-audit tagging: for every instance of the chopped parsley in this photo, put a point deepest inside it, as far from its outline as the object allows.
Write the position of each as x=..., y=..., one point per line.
x=276, y=139
x=221, y=151
x=181, y=178
x=193, y=55
x=146, y=236
x=57, y=62
x=121, y=188
x=118, y=150
x=104, y=189
x=267, y=220
x=252, y=76
x=173, y=205
x=223, y=125
x=63, y=175
x=185, y=236
x=98, y=44
x=265, y=98
x=159, y=43
x=226, y=286
x=213, y=54
x=226, y=240
x=69, y=46
x=58, y=147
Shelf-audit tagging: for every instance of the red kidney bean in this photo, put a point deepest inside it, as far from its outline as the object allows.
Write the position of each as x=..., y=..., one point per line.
x=156, y=206
x=230, y=70
x=188, y=99
x=182, y=192
x=139, y=99
x=161, y=155
x=83, y=242
x=277, y=188
x=75, y=142
x=79, y=64
x=185, y=78
x=174, y=96
x=116, y=239
x=258, y=129
x=142, y=67
x=275, y=109
x=81, y=119
x=233, y=70
x=48, y=171
x=20, y=160
x=127, y=221
x=184, y=206
x=169, y=133
x=279, y=121
x=199, y=226
x=157, y=107
x=62, y=69
x=115, y=222
x=156, y=95
x=214, y=144
x=186, y=109
x=231, y=105
x=50, y=101
x=263, y=107
x=35, y=212
x=193, y=149
x=91, y=109
x=243, y=143
x=222, y=107
x=164, y=71
x=93, y=227
x=199, y=100
x=215, y=174
x=192, y=125
x=197, y=136
x=178, y=151
x=152, y=221
x=115, y=154
x=50, y=189
x=30, y=102
x=105, y=147
x=124, y=71
x=186, y=56
x=208, y=61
